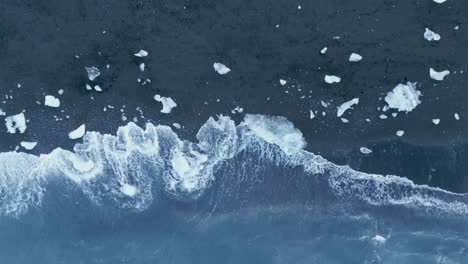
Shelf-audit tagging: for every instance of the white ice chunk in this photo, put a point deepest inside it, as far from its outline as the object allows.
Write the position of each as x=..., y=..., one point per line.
x=97, y=88
x=28, y=145
x=282, y=82
x=276, y=130
x=128, y=189
x=440, y=1
x=312, y=115
x=78, y=133
x=400, y=133
x=365, y=150
x=167, y=103
x=431, y=35
x=82, y=165
x=221, y=68
x=345, y=106
x=88, y=87
x=379, y=238
x=16, y=122
x=403, y=97
x=51, y=101
x=438, y=76
x=93, y=73
x=142, y=67
x=355, y=57
x=344, y=120
x=141, y=53
x=324, y=50
x=436, y=121
x=456, y=116
x=332, y=79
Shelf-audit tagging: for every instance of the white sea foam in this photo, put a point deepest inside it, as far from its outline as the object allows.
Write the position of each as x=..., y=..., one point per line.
x=121, y=169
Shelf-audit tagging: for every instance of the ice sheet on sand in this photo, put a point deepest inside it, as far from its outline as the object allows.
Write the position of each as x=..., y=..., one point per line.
x=167, y=103
x=93, y=73
x=16, y=122
x=354, y=57
x=51, y=101
x=345, y=106
x=28, y=145
x=332, y=79
x=431, y=35
x=438, y=76
x=403, y=97
x=276, y=130
x=78, y=133
x=221, y=68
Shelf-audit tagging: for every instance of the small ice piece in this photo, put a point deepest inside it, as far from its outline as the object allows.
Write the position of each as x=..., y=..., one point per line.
x=379, y=238
x=383, y=116
x=60, y=91
x=276, y=130
x=16, y=122
x=88, y=87
x=438, y=76
x=355, y=57
x=97, y=88
x=93, y=73
x=2, y=113
x=344, y=120
x=345, y=106
x=403, y=97
x=324, y=50
x=436, y=121
x=365, y=150
x=82, y=165
x=177, y=125
x=440, y=1
x=431, y=35
x=332, y=79
x=400, y=133
x=128, y=189
x=141, y=53
x=221, y=68
x=324, y=104
x=142, y=67
x=312, y=115
x=167, y=103
x=78, y=133
x=28, y=145
x=51, y=101
x=282, y=82
x=456, y=116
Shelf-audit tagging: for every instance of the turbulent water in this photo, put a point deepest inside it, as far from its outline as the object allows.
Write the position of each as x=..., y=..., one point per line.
x=246, y=193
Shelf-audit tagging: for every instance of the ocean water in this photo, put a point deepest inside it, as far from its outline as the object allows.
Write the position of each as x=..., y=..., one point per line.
x=243, y=193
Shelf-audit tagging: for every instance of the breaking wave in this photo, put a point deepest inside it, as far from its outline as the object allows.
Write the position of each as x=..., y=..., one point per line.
x=261, y=158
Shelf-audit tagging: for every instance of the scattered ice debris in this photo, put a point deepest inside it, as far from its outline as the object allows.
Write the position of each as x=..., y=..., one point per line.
x=177, y=125
x=438, y=76
x=324, y=50
x=60, y=91
x=365, y=150
x=97, y=88
x=400, y=133
x=128, y=189
x=78, y=133
x=324, y=104
x=88, y=87
x=456, y=116
x=237, y=110
x=440, y=1
x=436, y=121
x=403, y=97
x=142, y=67
x=344, y=120
x=167, y=103
x=2, y=113
x=282, y=82
x=379, y=239
x=431, y=35
x=16, y=122
x=312, y=115
x=51, y=101
x=141, y=53
x=332, y=79
x=345, y=106
x=28, y=145
x=276, y=130
x=221, y=68
x=93, y=73
x=354, y=57
x=383, y=116
x=456, y=27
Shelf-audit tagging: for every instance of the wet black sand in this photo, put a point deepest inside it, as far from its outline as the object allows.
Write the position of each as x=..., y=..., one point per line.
x=40, y=39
